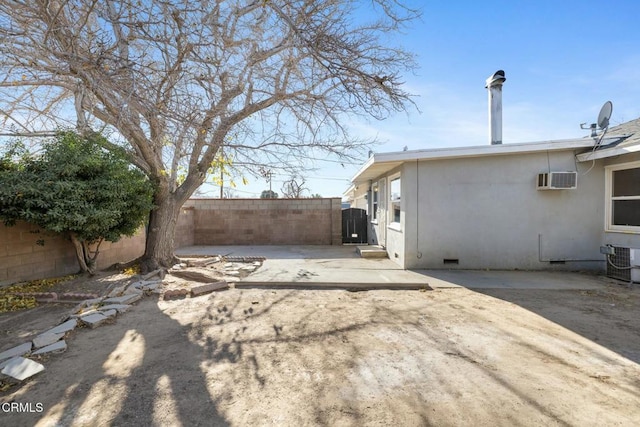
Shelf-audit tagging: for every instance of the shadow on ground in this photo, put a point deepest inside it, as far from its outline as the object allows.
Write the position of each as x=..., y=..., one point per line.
x=142, y=370
x=608, y=316
x=600, y=309
x=309, y=357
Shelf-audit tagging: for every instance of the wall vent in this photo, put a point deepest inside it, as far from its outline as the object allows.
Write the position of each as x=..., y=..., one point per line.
x=557, y=180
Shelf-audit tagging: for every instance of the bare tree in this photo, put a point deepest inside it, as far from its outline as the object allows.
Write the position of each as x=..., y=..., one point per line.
x=174, y=81
x=229, y=194
x=294, y=188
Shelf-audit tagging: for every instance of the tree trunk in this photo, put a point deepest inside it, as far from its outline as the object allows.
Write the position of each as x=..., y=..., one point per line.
x=162, y=223
x=86, y=264
x=160, y=235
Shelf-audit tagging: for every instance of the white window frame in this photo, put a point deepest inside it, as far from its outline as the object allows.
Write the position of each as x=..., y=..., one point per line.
x=375, y=202
x=609, y=199
x=394, y=225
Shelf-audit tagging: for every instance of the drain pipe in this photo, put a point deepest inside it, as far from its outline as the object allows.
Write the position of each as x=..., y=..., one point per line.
x=494, y=84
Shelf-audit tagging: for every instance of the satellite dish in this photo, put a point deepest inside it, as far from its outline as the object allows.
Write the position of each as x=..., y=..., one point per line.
x=605, y=115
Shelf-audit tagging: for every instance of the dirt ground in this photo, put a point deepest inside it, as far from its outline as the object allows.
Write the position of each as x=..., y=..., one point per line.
x=296, y=357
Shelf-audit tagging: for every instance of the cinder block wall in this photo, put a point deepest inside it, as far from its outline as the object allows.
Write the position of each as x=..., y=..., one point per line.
x=266, y=221
x=184, y=227
x=201, y=222
x=21, y=258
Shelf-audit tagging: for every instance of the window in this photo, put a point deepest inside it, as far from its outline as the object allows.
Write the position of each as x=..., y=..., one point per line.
x=394, y=192
x=623, y=197
x=374, y=207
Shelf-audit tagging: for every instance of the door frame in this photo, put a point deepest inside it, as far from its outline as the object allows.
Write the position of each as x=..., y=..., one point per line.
x=382, y=212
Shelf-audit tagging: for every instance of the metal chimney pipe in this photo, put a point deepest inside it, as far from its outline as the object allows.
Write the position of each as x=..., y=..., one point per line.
x=494, y=84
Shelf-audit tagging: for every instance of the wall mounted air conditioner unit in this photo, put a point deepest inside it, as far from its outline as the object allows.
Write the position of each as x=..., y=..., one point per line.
x=624, y=264
x=557, y=180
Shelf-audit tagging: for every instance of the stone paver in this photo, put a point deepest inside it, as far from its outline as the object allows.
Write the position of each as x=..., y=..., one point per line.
x=40, y=296
x=73, y=296
x=20, y=350
x=94, y=320
x=141, y=284
x=159, y=272
x=175, y=294
x=5, y=363
x=117, y=291
x=151, y=286
x=21, y=368
x=46, y=339
x=90, y=302
x=133, y=291
x=12, y=363
x=109, y=313
x=67, y=326
x=120, y=308
x=197, y=291
x=83, y=312
x=57, y=347
x=124, y=299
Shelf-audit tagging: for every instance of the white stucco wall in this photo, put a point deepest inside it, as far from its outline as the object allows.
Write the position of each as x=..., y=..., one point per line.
x=381, y=233
x=360, y=195
x=486, y=212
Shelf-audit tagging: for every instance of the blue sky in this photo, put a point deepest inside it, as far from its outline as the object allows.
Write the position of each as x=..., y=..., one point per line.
x=562, y=59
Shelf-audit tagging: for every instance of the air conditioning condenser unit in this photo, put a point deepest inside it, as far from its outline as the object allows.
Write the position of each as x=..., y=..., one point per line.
x=624, y=264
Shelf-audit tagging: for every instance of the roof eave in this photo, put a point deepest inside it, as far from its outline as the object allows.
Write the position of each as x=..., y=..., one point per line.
x=393, y=159
x=608, y=152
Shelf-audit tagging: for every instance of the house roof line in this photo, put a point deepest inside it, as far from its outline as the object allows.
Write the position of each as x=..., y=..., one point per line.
x=630, y=143
x=604, y=152
x=383, y=162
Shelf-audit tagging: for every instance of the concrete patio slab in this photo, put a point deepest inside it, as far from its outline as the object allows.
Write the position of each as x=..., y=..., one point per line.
x=326, y=267
x=342, y=267
x=478, y=279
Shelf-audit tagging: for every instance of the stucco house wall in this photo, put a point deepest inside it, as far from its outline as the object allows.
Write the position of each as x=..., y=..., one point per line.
x=478, y=207
x=357, y=197
x=382, y=233
x=486, y=212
